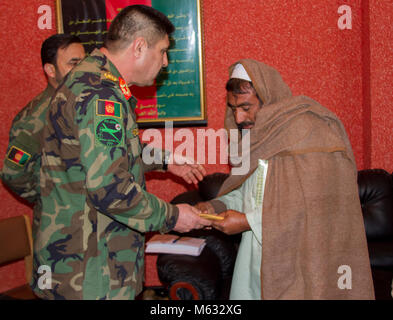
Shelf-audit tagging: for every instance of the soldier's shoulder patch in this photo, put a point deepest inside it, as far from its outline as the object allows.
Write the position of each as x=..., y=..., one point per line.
x=18, y=156
x=109, y=132
x=108, y=108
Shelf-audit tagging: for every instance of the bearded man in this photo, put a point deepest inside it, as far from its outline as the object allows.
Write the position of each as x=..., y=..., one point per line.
x=298, y=207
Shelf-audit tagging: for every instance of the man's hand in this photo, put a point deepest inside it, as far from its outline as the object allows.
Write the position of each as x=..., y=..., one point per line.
x=234, y=222
x=189, y=219
x=205, y=207
x=187, y=169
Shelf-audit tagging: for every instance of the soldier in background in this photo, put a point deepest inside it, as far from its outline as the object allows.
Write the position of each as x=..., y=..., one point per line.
x=59, y=54
x=95, y=208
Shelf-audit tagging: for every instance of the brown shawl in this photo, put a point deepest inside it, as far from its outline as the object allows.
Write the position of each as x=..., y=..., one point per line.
x=312, y=221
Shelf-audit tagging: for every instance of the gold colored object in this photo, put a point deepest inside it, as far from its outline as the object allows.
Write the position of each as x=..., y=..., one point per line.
x=110, y=76
x=210, y=216
x=135, y=132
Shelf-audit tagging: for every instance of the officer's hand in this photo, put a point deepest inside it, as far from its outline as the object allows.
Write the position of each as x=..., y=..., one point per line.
x=189, y=219
x=234, y=222
x=187, y=169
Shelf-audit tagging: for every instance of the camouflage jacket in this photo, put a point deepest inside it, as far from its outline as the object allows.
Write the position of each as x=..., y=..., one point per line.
x=22, y=162
x=95, y=208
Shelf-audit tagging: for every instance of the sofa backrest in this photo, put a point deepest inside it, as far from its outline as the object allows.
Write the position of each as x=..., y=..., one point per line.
x=210, y=185
x=376, y=198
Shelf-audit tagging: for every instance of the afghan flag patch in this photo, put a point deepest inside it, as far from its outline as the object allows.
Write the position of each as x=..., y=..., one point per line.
x=18, y=156
x=108, y=108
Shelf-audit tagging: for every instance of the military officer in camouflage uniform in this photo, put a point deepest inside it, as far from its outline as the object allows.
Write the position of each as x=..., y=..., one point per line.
x=59, y=54
x=95, y=208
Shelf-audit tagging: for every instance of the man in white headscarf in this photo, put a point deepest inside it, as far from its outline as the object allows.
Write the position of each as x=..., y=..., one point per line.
x=298, y=207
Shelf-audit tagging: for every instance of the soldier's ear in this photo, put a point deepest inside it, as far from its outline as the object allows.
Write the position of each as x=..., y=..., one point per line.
x=139, y=46
x=50, y=70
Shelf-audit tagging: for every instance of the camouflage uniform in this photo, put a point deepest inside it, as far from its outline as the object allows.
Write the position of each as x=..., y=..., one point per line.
x=95, y=208
x=22, y=162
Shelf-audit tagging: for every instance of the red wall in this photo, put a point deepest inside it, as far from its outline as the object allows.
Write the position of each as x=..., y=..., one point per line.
x=348, y=71
x=381, y=87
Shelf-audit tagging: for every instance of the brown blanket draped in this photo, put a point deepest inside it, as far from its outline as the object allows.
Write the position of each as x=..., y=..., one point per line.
x=312, y=221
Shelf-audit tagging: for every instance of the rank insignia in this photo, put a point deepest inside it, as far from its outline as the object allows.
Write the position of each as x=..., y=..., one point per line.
x=18, y=156
x=124, y=88
x=108, y=108
x=110, y=76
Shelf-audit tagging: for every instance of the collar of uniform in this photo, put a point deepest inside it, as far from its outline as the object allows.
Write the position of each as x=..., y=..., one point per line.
x=106, y=64
x=109, y=73
x=133, y=102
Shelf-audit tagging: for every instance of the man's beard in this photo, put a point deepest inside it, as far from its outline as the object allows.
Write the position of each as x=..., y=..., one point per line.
x=59, y=78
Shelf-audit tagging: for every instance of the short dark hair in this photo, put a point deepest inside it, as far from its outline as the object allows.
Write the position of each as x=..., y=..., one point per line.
x=53, y=43
x=137, y=20
x=240, y=86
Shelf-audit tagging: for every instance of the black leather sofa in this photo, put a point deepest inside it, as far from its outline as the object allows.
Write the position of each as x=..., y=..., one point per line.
x=376, y=197
x=209, y=275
